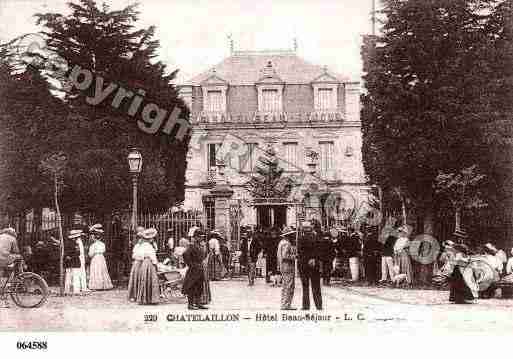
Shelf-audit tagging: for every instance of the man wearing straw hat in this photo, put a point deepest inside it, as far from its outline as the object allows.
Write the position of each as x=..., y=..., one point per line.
x=286, y=256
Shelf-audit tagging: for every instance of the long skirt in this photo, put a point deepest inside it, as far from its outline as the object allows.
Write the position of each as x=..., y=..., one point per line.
x=371, y=268
x=99, y=278
x=148, y=291
x=354, y=266
x=459, y=289
x=83, y=278
x=206, y=295
x=404, y=262
x=216, y=268
x=133, y=282
x=72, y=281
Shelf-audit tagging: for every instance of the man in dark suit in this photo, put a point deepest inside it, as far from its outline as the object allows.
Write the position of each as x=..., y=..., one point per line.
x=371, y=255
x=309, y=261
x=271, y=240
x=250, y=248
x=328, y=255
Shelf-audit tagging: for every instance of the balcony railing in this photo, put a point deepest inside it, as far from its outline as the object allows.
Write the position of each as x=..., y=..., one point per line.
x=268, y=117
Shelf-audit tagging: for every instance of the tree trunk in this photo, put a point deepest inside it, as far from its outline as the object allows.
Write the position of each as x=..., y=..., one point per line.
x=22, y=230
x=429, y=222
x=61, y=237
x=403, y=209
x=426, y=270
x=38, y=224
x=457, y=219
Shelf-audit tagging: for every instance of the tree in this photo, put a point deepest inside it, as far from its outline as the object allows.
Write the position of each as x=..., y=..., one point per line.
x=54, y=166
x=98, y=137
x=422, y=110
x=268, y=181
x=31, y=119
x=462, y=190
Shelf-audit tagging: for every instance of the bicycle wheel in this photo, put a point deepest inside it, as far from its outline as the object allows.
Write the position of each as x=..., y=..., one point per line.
x=29, y=290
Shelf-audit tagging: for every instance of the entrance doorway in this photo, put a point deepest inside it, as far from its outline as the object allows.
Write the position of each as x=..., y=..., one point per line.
x=271, y=216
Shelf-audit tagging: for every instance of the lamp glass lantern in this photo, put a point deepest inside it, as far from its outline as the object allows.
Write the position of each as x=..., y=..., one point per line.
x=135, y=161
x=312, y=162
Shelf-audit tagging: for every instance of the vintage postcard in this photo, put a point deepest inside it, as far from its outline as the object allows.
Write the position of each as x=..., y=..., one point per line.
x=331, y=166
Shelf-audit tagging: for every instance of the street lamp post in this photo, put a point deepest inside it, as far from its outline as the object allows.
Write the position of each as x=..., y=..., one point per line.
x=135, y=167
x=312, y=158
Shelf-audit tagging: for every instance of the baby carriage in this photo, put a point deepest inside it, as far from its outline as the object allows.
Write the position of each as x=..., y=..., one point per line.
x=170, y=281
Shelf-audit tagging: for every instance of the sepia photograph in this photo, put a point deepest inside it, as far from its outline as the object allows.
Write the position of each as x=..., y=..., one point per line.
x=333, y=166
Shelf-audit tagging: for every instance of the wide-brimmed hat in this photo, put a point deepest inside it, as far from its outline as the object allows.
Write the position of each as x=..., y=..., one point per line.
x=216, y=233
x=96, y=228
x=287, y=231
x=404, y=229
x=193, y=230
x=306, y=224
x=149, y=233
x=9, y=231
x=183, y=242
x=75, y=233
x=463, y=248
x=139, y=230
x=448, y=244
x=490, y=248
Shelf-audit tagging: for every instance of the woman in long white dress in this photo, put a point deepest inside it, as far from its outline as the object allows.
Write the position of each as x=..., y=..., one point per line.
x=99, y=278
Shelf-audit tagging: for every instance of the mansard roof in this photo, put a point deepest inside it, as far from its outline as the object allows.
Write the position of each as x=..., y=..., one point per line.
x=247, y=68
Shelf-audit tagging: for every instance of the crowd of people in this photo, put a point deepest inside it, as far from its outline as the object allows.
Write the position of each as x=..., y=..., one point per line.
x=201, y=258
x=316, y=254
x=365, y=257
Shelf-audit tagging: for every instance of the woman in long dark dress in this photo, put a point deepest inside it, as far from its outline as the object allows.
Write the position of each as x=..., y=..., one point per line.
x=136, y=265
x=148, y=291
x=206, y=295
x=216, y=268
x=194, y=277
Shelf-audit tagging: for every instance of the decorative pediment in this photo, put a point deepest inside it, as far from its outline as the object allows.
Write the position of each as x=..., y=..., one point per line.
x=325, y=78
x=214, y=80
x=269, y=75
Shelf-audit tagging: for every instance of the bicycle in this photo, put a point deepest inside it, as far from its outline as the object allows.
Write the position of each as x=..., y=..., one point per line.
x=26, y=289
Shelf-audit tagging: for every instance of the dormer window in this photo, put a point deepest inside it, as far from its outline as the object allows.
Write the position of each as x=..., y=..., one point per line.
x=214, y=93
x=215, y=101
x=270, y=90
x=325, y=92
x=325, y=99
x=270, y=100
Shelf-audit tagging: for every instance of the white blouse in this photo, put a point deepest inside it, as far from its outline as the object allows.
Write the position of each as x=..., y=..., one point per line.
x=213, y=244
x=98, y=247
x=401, y=243
x=144, y=250
x=509, y=266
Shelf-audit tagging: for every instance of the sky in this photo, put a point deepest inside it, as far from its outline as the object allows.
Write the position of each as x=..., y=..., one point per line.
x=193, y=34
